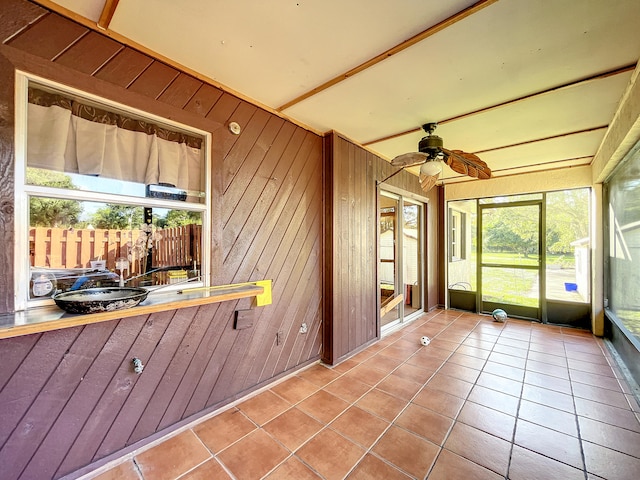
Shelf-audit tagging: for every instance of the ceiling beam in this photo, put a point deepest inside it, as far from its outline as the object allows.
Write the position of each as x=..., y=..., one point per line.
x=532, y=168
x=453, y=19
x=552, y=137
x=108, y=11
x=583, y=81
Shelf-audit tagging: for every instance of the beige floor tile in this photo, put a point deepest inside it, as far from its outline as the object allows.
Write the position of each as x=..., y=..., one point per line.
x=450, y=466
x=293, y=428
x=222, y=430
x=264, y=407
x=254, y=456
x=174, y=456
x=331, y=455
x=410, y=453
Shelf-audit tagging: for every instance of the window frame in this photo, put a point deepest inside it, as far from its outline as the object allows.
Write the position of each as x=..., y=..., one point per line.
x=23, y=191
x=457, y=235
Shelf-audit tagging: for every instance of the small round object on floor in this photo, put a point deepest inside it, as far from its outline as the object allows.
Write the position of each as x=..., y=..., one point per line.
x=499, y=315
x=425, y=341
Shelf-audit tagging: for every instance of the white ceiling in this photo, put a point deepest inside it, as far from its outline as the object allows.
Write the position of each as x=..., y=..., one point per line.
x=533, y=61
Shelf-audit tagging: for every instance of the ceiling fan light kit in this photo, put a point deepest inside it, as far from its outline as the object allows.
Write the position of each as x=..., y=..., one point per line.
x=431, y=167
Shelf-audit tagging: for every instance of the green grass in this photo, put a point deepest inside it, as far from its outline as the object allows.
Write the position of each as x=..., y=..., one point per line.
x=631, y=320
x=509, y=258
x=509, y=285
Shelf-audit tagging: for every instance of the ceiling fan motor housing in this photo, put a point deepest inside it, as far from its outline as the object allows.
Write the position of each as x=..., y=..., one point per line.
x=431, y=145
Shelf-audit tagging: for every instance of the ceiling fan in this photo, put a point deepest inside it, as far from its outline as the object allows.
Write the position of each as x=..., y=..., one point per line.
x=431, y=154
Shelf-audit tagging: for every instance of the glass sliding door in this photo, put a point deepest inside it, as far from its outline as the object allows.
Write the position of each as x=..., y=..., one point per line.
x=401, y=258
x=390, y=295
x=411, y=257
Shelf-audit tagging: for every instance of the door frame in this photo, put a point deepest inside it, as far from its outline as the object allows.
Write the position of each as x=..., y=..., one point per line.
x=401, y=198
x=519, y=311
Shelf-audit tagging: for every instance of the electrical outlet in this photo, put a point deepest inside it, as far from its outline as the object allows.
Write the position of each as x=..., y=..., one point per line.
x=303, y=328
x=279, y=338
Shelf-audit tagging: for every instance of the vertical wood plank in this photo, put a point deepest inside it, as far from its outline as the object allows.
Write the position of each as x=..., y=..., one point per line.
x=86, y=247
x=41, y=241
x=71, y=247
x=328, y=248
x=55, y=248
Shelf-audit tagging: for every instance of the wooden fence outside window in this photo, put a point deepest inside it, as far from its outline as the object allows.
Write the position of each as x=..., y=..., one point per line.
x=76, y=248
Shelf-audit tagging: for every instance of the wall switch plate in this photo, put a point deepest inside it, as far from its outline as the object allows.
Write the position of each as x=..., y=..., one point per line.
x=303, y=328
x=279, y=338
x=244, y=319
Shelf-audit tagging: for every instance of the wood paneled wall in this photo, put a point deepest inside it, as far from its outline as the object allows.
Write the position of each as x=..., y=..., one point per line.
x=69, y=399
x=351, y=228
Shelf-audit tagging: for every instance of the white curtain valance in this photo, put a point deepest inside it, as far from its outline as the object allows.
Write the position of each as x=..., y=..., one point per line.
x=58, y=139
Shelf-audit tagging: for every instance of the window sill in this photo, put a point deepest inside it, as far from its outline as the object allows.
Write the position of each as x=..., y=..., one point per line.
x=48, y=318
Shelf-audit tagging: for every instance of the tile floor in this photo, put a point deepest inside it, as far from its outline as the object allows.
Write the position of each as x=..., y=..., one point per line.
x=483, y=401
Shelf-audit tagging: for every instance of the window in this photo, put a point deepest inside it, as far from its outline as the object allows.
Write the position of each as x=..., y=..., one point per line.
x=623, y=288
x=457, y=222
x=105, y=195
x=462, y=218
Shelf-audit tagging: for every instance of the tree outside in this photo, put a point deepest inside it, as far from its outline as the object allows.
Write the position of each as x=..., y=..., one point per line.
x=52, y=212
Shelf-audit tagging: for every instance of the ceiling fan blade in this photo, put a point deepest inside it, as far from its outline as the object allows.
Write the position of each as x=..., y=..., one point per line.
x=467, y=164
x=427, y=182
x=409, y=159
